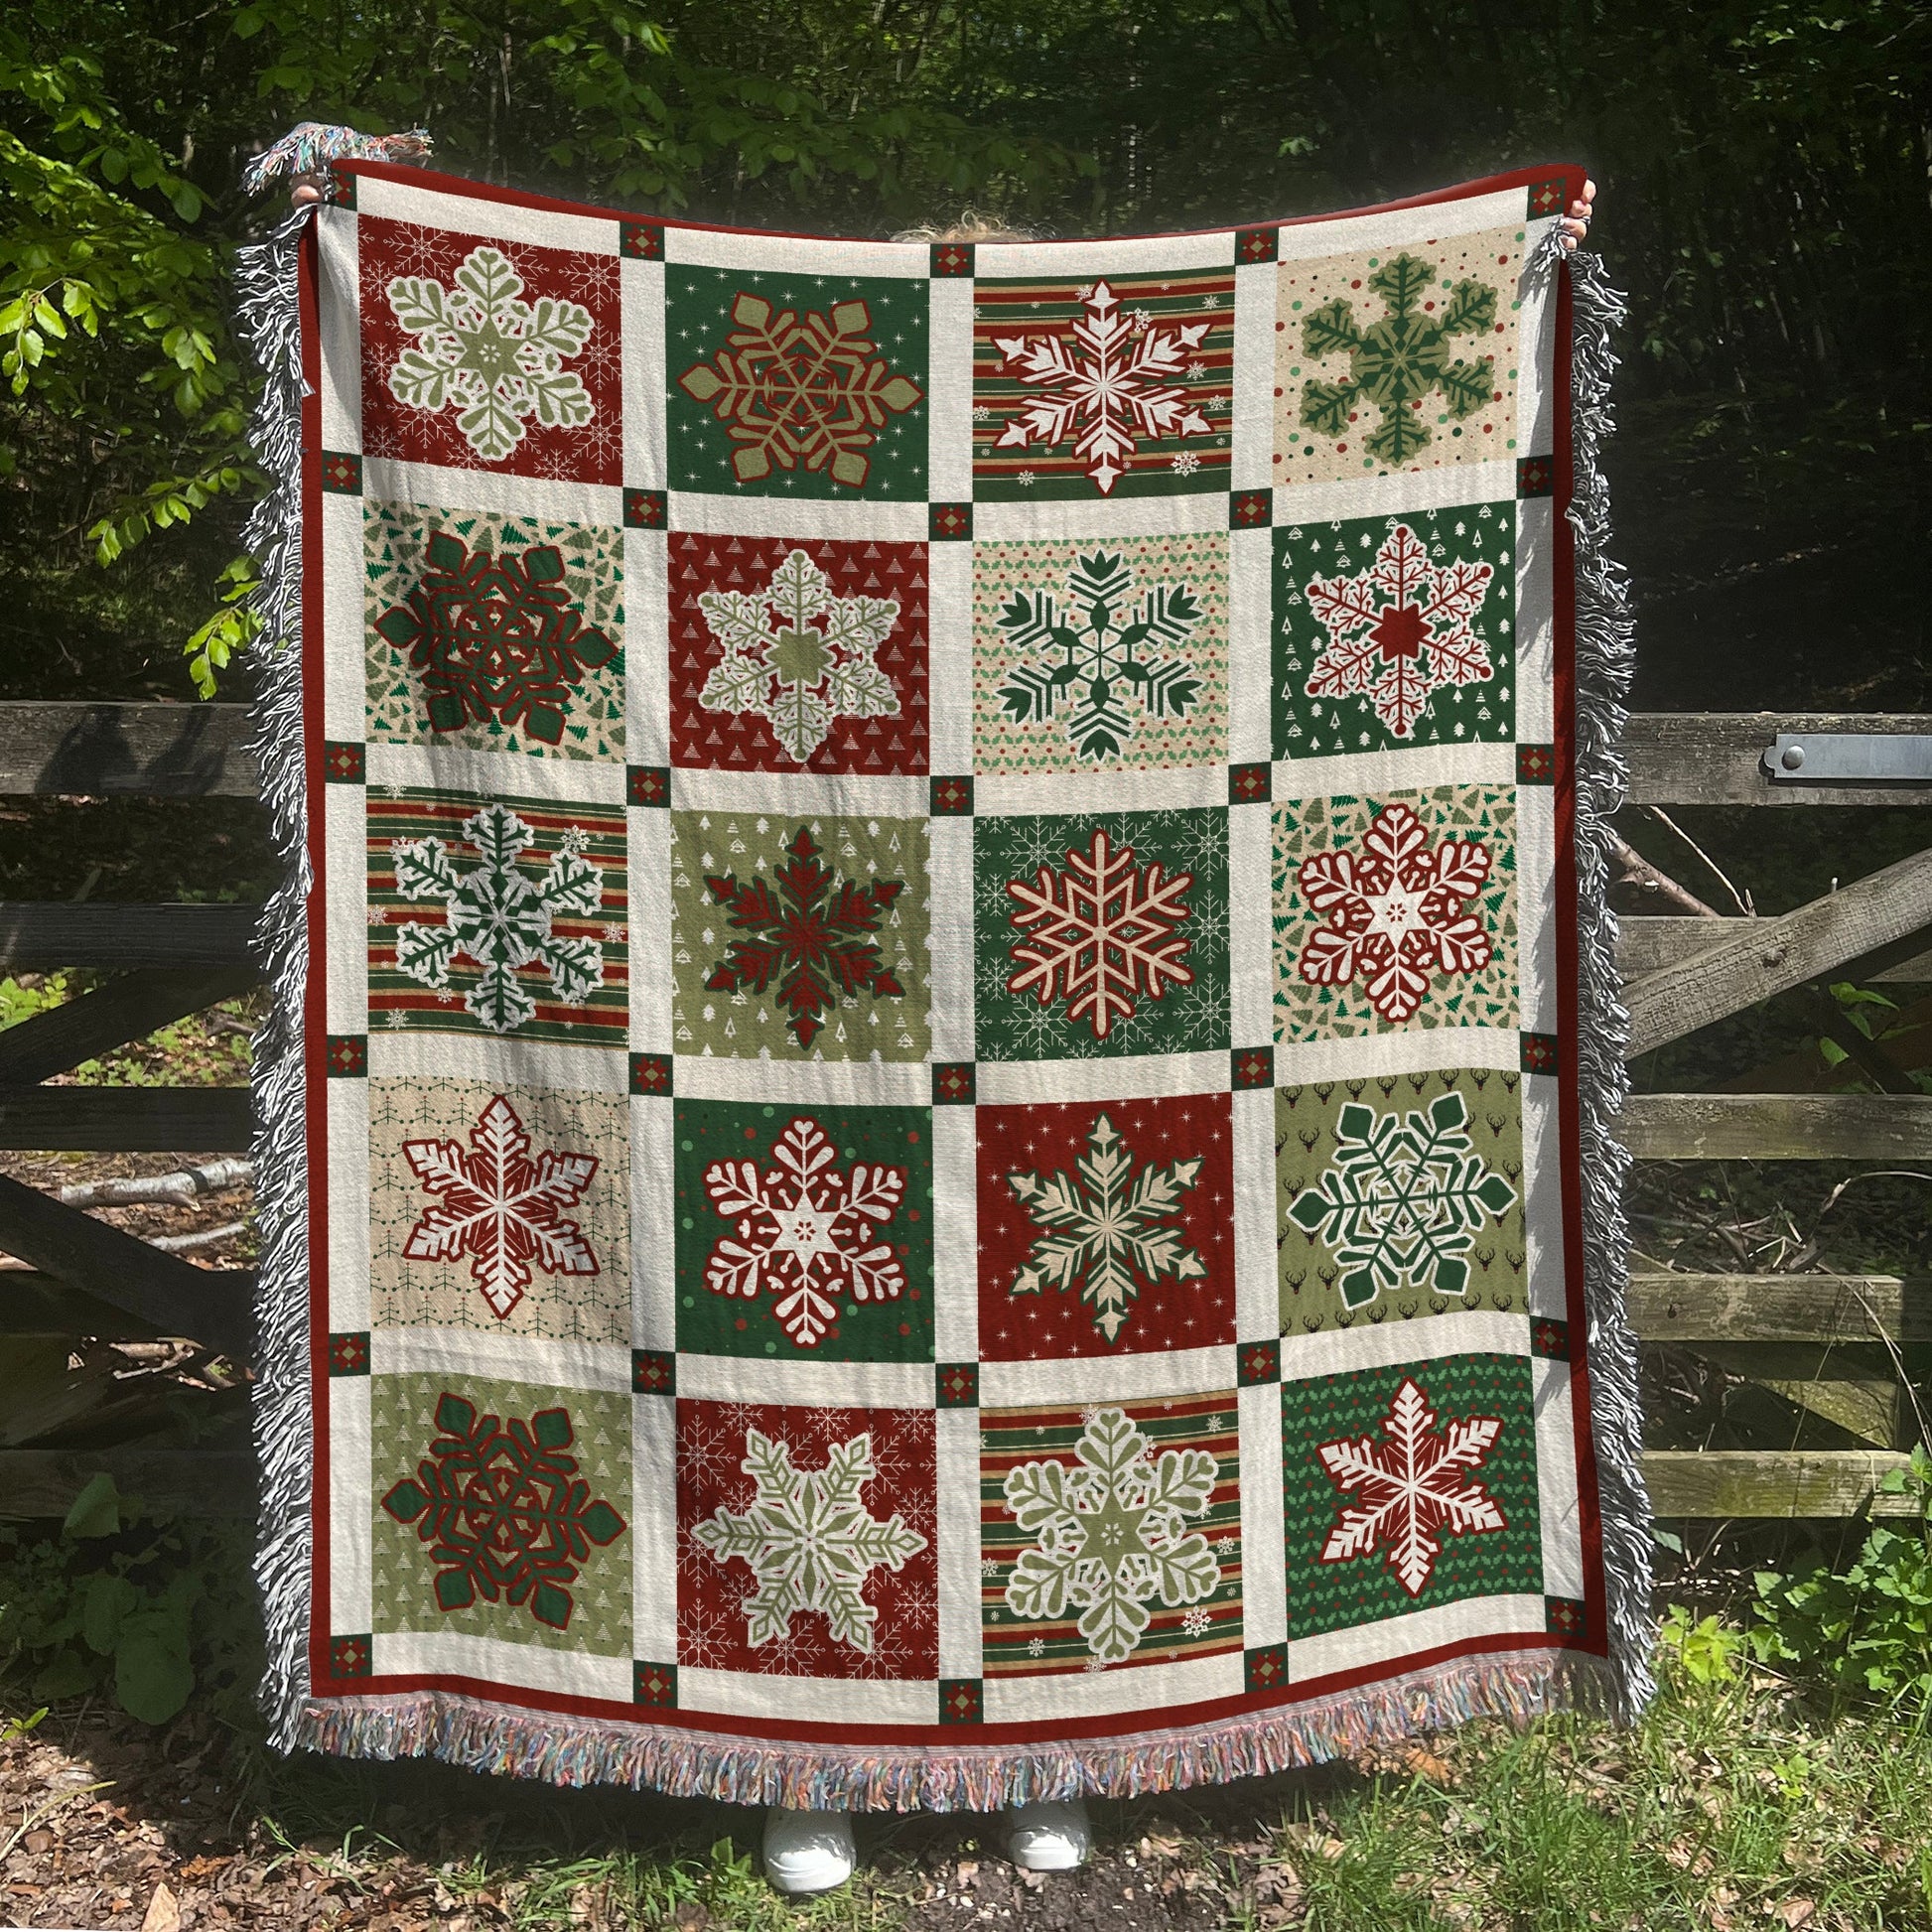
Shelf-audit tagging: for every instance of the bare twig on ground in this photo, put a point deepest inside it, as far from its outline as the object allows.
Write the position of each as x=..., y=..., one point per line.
x=1633, y=868
x=178, y=1190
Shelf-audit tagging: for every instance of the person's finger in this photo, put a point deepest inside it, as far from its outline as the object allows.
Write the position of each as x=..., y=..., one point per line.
x=1590, y=191
x=1580, y=210
x=305, y=190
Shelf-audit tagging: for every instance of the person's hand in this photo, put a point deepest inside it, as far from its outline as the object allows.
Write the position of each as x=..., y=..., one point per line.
x=306, y=190
x=1575, y=225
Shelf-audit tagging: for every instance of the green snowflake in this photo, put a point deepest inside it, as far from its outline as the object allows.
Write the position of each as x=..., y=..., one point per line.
x=1396, y=363
x=1404, y=1199
x=499, y=916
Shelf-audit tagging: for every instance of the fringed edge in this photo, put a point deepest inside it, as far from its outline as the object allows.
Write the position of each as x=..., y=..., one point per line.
x=494, y=1737
x=1606, y=655
x=268, y=316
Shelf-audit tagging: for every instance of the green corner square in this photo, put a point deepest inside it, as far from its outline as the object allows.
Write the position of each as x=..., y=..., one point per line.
x=865, y=1174
x=758, y=402
x=1166, y=992
x=1335, y=1584
x=653, y=1683
x=1393, y=631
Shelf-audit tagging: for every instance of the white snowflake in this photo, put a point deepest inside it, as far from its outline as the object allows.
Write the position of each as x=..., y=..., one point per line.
x=1104, y=385
x=1106, y=1229
x=1196, y=1624
x=1024, y=479
x=808, y=1539
x=1035, y=1646
x=1110, y=1535
x=1186, y=463
x=496, y=360
x=1101, y=934
x=1410, y=1488
x=982, y=412
x=797, y=656
x=499, y=916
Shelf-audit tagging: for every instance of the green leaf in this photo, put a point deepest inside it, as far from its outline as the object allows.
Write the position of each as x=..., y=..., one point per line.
x=152, y=1674
x=66, y=1675
x=110, y=1596
x=96, y=1511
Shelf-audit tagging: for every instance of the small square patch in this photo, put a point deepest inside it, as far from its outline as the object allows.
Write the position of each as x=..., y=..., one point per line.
x=952, y=258
x=1260, y=1363
x=1550, y=1338
x=341, y=474
x=651, y=785
x=952, y=798
x=1536, y=475
x=1249, y=785
x=651, y=1074
x=348, y=1055
x=1251, y=510
x=653, y=1683
x=961, y=1701
x=952, y=1083
x=1539, y=1052
x=948, y=522
x=1266, y=1667
x=643, y=241
x=349, y=1354
x=1546, y=196
x=958, y=1385
x=343, y=764
x=643, y=509
x=1565, y=1617
x=349, y=1656
x=1536, y=765
x=1253, y=1066
x=1256, y=245
x=653, y=1371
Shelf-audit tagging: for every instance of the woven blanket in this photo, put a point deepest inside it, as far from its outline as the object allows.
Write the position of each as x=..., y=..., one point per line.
x=938, y=1122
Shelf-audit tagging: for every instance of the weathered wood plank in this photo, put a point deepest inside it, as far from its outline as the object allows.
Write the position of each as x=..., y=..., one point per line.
x=147, y=751
x=1849, y=1384
x=1703, y=758
x=33, y=1303
x=1647, y=945
x=1772, y=1482
x=173, y=1296
x=126, y=1120
x=1781, y=1307
x=125, y=1009
x=168, y=1482
x=1778, y=1126
x=40, y=939
x=1880, y=919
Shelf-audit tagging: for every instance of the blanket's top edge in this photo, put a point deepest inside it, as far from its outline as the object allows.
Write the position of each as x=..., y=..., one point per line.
x=1571, y=172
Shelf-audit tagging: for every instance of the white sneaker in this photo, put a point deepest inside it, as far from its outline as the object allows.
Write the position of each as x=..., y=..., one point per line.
x=807, y=1850
x=1052, y=1836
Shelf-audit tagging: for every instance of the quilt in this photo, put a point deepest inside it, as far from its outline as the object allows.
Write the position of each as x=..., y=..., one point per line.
x=939, y=1127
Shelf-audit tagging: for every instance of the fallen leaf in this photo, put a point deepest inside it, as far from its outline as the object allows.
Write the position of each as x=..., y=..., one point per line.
x=1793, y=1912
x=39, y=1842
x=163, y=1913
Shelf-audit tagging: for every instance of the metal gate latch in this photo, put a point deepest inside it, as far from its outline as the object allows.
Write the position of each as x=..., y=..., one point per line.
x=1860, y=758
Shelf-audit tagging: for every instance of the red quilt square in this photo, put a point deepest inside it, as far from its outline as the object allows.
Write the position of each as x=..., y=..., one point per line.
x=807, y=1541
x=1103, y=1227
x=488, y=355
x=794, y=654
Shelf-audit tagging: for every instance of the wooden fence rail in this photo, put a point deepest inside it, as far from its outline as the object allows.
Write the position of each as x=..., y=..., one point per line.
x=1829, y=1343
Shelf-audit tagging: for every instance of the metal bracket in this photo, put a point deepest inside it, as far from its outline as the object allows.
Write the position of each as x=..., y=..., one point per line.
x=1850, y=757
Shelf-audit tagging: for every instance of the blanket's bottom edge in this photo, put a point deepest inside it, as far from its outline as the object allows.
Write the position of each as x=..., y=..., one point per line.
x=483, y=1736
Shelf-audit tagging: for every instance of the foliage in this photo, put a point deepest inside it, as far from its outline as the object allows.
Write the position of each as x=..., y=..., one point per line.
x=21, y=999
x=1865, y=1634
x=1706, y=1649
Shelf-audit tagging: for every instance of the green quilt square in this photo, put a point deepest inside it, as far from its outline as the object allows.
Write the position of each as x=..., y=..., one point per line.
x=805, y=1231
x=496, y=632
x=501, y=1510
x=1408, y=1488
x=1101, y=936
x=796, y=385
x=1395, y=630
x=1401, y=1195
x=799, y=939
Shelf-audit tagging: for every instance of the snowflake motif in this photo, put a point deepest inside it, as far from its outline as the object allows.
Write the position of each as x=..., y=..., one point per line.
x=1100, y=935
x=1184, y=462
x=1106, y=1229
x=499, y=1207
x=496, y=360
x=800, y=388
x=499, y=917
x=802, y=1231
x=810, y=929
x=495, y=640
x=1410, y=1488
x=503, y=1510
x=1110, y=1534
x=1105, y=386
x=809, y=1540
x=1035, y=1646
x=1396, y=363
x=1394, y=914
x=1403, y=1201
x=1024, y=479
x=798, y=675
x=1399, y=631
x=1094, y=648
x=1198, y=1623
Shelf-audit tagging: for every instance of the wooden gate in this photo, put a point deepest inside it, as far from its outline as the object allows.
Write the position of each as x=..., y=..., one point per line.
x=1827, y=1342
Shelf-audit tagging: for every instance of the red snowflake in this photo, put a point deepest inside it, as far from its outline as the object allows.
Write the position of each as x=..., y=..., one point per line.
x=499, y=1207
x=808, y=929
x=1399, y=631
x=1395, y=912
x=1410, y=1488
x=1100, y=935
